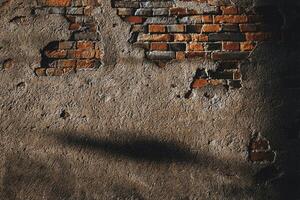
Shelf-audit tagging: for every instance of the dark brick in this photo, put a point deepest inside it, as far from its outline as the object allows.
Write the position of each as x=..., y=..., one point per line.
x=213, y=37
x=229, y=55
x=177, y=46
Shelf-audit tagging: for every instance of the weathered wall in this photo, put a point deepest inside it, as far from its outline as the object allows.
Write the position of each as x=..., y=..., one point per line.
x=108, y=123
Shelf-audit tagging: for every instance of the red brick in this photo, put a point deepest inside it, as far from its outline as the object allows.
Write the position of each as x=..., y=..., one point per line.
x=155, y=37
x=195, y=47
x=158, y=46
x=247, y=46
x=248, y=27
x=58, y=3
x=231, y=46
x=65, y=63
x=56, y=53
x=233, y=19
x=85, y=45
x=156, y=28
x=75, y=53
x=207, y=19
x=229, y=10
x=88, y=54
x=199, y=38
x=182, y=37
x=261, y=36
x=134, y=19
x=85, y=64
x=199, y=83
x=207, y=28
x=74, y=26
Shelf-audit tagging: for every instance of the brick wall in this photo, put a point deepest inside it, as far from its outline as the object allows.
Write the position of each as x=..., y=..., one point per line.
x=177, y=30
x=83, y=50
x=260, y=150
x=167, y=30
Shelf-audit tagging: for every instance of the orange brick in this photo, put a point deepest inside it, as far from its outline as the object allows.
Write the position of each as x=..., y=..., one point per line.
x=207, y=28
x=229, y=10
x=81, y=53
x=207, y=19
x=247, y=46
x=64, y=63
x=182, y=37
x=74, y=26
x=231, y=46
x=74, y=53
x=195, y=47
x=85, y=45
x=84, y=64
x=58, y=3
x=88, y=54
x=199, y=38
x=56, y=54
x=233, y=19
x=156, y=28
x=199, y=83
x=155, y=37
x=159, y=46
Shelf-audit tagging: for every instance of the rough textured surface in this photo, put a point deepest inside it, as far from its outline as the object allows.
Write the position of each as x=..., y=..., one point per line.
x=126, y=130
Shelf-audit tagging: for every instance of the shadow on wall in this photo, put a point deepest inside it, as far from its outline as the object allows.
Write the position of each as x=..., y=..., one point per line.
x=285, y=88
x=136, y=147
x=27, y=178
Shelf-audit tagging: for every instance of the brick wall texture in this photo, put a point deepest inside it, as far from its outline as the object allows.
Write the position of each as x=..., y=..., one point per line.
x=207, y=29
x=216, y=30
x=83, y=50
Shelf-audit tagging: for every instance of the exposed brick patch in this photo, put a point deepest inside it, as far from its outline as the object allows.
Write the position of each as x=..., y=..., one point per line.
x=206, y=29
x=260, y=150
x=83, y=50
